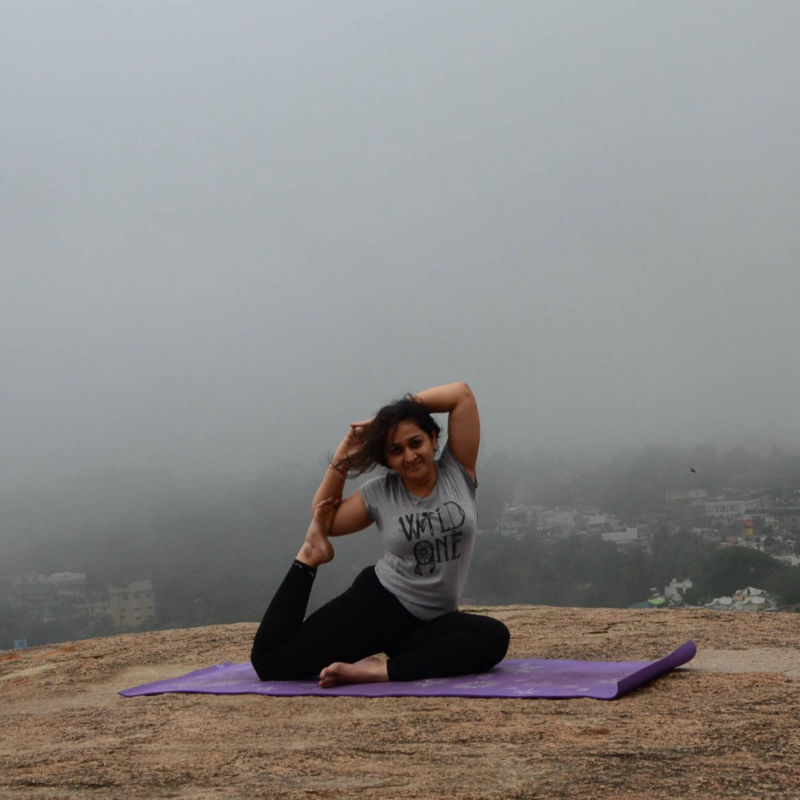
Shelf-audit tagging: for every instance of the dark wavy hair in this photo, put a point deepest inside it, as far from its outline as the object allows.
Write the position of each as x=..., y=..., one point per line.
x=385, y=422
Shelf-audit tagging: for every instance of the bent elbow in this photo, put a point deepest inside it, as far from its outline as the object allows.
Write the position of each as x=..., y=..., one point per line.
x=464, y=389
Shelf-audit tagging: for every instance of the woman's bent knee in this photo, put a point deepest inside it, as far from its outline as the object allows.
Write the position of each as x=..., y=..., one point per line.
x=494, y=642
x=263, y=667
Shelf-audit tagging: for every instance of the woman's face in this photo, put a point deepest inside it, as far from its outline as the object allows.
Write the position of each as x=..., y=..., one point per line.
x=410, y=452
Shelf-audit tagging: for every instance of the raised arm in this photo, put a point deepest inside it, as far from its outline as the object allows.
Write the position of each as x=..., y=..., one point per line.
x=351, y=515
x=463, y=422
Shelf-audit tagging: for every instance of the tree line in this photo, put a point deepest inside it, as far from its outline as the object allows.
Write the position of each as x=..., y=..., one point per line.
x=584, y=570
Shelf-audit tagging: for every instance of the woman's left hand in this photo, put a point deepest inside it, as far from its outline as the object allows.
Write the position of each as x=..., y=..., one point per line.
x=352, y=443
x=360, y=429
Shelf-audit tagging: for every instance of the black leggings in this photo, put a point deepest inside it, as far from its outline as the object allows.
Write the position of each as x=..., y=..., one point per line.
x=365, y=620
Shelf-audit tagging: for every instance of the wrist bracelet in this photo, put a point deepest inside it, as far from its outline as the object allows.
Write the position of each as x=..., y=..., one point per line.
x=342, y=472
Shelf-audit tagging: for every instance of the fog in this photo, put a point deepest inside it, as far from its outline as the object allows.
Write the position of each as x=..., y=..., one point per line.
x=228, y=230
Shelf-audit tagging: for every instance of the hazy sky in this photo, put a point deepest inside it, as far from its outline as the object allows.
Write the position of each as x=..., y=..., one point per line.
x=229, y=229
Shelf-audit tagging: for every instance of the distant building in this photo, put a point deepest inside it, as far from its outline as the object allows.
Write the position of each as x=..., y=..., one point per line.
x=516, y=520
x=98, y=603
x=725, y=509
x=597, y=522
x=48, y=597
x=685, y=506
x=747, y=599
x=761, y=520
x=626, y=536
x=133, y=603
x=786, y=518
x=675, y=590
x=682, y=496
x=67, y=595
x=558, y=522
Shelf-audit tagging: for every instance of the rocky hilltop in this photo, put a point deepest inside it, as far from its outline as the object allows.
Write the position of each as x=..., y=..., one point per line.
x=724, y=726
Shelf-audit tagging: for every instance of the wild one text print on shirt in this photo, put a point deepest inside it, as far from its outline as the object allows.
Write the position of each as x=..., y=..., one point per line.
x=443, y=525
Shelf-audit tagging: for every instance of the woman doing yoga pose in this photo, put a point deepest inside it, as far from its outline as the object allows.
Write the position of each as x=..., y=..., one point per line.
x=405, y=606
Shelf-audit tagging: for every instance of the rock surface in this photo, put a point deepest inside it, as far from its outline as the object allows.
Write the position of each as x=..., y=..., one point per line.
x=723, y=726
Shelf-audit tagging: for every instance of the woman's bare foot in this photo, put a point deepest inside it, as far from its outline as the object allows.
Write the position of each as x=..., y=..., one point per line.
x=368, y=670
x=316, y=548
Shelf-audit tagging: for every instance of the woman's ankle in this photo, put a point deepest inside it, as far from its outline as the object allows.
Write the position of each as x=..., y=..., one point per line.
x=310, y=569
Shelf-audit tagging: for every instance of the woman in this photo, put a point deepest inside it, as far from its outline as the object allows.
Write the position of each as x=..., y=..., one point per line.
x=406, y=605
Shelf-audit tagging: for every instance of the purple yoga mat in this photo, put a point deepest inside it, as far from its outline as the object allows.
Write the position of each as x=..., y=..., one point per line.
x=514, y=677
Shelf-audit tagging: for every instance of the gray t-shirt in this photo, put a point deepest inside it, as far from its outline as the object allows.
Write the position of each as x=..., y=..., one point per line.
x=428, y=541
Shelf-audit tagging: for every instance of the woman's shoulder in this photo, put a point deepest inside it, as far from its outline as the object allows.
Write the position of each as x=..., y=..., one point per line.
x=379, y=486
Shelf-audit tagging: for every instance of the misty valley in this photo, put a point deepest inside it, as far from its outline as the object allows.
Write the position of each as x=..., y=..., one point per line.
x=654, y=528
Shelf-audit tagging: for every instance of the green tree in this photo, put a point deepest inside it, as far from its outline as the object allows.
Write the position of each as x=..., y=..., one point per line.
x=730, y=569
